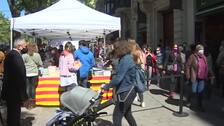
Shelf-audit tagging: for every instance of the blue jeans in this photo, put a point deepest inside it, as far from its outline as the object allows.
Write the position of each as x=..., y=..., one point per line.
x=198, y=86
x=84, y=82
x=31, y=86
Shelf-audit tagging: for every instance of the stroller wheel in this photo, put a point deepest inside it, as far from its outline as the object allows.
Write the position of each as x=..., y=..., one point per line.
x=57, y=124
x=88, y=124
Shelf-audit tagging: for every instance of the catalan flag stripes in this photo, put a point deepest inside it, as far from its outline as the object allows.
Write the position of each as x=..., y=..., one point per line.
x=47, y=91
x=96, y=83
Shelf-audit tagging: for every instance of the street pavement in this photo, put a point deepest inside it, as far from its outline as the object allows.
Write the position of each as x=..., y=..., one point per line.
x=158, y=112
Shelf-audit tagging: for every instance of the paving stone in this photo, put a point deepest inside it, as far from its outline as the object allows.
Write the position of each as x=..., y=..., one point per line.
x=156, y=113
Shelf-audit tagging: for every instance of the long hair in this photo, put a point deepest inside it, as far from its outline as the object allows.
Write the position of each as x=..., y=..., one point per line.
x=136, y=51
x=32, y=48
x=69, y=47
x=121, y=48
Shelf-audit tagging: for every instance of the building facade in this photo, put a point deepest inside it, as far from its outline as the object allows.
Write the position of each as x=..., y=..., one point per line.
x=209, y=22
x=154, y=22
x=164, y=22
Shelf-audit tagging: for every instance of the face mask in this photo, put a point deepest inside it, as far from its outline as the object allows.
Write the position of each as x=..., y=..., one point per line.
x=201, y=51
x=175, y=53
x=24, y=50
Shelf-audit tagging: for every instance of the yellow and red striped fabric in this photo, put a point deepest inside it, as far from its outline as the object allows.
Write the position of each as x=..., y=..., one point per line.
x=47, y=91
x=97, y=81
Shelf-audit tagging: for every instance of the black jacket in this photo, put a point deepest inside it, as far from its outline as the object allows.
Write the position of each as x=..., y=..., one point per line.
x=14, y=78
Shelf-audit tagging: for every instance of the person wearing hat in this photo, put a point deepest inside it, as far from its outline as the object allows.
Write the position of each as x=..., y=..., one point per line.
x=197, y=72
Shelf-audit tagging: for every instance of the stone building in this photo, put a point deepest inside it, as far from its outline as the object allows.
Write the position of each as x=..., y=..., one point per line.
x=209, y=24
x=154, y=21
x=163, y=22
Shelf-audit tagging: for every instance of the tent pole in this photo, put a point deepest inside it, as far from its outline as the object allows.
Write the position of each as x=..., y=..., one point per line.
x=104, y=44
x=119, y=33
x=11, y=33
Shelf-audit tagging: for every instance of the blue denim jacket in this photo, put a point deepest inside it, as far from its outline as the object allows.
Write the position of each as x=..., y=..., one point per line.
x=125, y=75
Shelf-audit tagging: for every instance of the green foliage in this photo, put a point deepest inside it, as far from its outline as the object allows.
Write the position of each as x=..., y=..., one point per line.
x=29, y=6
x=90, y=3
x=4, y=29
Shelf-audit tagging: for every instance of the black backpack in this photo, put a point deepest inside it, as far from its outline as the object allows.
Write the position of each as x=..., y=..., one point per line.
x=149, y=61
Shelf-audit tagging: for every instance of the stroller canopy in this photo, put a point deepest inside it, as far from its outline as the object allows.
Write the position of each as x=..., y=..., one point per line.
x=78, y=99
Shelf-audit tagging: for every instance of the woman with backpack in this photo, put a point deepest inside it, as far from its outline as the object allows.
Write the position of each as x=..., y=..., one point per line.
x=140, y=59
x=197, y=72
x=150, y=64
x=123, y=82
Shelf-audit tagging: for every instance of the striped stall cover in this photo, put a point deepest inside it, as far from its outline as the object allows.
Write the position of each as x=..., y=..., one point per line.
x=47, y=91
x=97, y=81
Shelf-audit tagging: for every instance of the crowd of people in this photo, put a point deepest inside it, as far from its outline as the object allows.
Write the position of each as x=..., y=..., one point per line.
x=19, y=70
x=196, y=65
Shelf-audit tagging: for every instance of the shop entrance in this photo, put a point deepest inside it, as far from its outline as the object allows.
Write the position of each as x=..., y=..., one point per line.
x=168, y=27
x=213, y=32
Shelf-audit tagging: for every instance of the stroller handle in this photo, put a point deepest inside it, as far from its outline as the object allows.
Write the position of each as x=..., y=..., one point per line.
x=99, y=96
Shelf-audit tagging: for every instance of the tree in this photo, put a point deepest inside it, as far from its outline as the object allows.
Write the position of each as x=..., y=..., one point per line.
x=29, y=6
x=90, y=3
x=4, y=29
x=15, y=7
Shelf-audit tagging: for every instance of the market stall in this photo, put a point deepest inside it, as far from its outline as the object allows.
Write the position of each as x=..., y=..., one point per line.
x=66, y=19
x=98, y=78
x=48, y=88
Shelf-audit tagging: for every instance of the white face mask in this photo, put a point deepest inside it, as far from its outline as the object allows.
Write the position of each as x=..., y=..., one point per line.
x=201, y=51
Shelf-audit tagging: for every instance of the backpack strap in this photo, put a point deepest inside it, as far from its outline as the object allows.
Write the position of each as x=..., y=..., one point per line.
x=123, y=100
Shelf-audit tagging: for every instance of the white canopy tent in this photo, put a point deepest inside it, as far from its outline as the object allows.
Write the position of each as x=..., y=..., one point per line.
x=66, y=19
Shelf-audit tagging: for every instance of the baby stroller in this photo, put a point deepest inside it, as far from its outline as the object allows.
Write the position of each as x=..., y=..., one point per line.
x=80, y=108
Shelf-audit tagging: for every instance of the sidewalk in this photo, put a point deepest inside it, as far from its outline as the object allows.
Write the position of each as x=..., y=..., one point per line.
x=158, y=112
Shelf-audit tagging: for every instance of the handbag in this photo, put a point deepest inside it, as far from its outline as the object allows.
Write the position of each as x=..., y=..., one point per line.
x=169, y=67
x=123, y=100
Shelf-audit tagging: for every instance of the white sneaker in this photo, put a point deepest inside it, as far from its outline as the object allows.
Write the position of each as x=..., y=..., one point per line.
x=143, y=104
x=136, y=98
